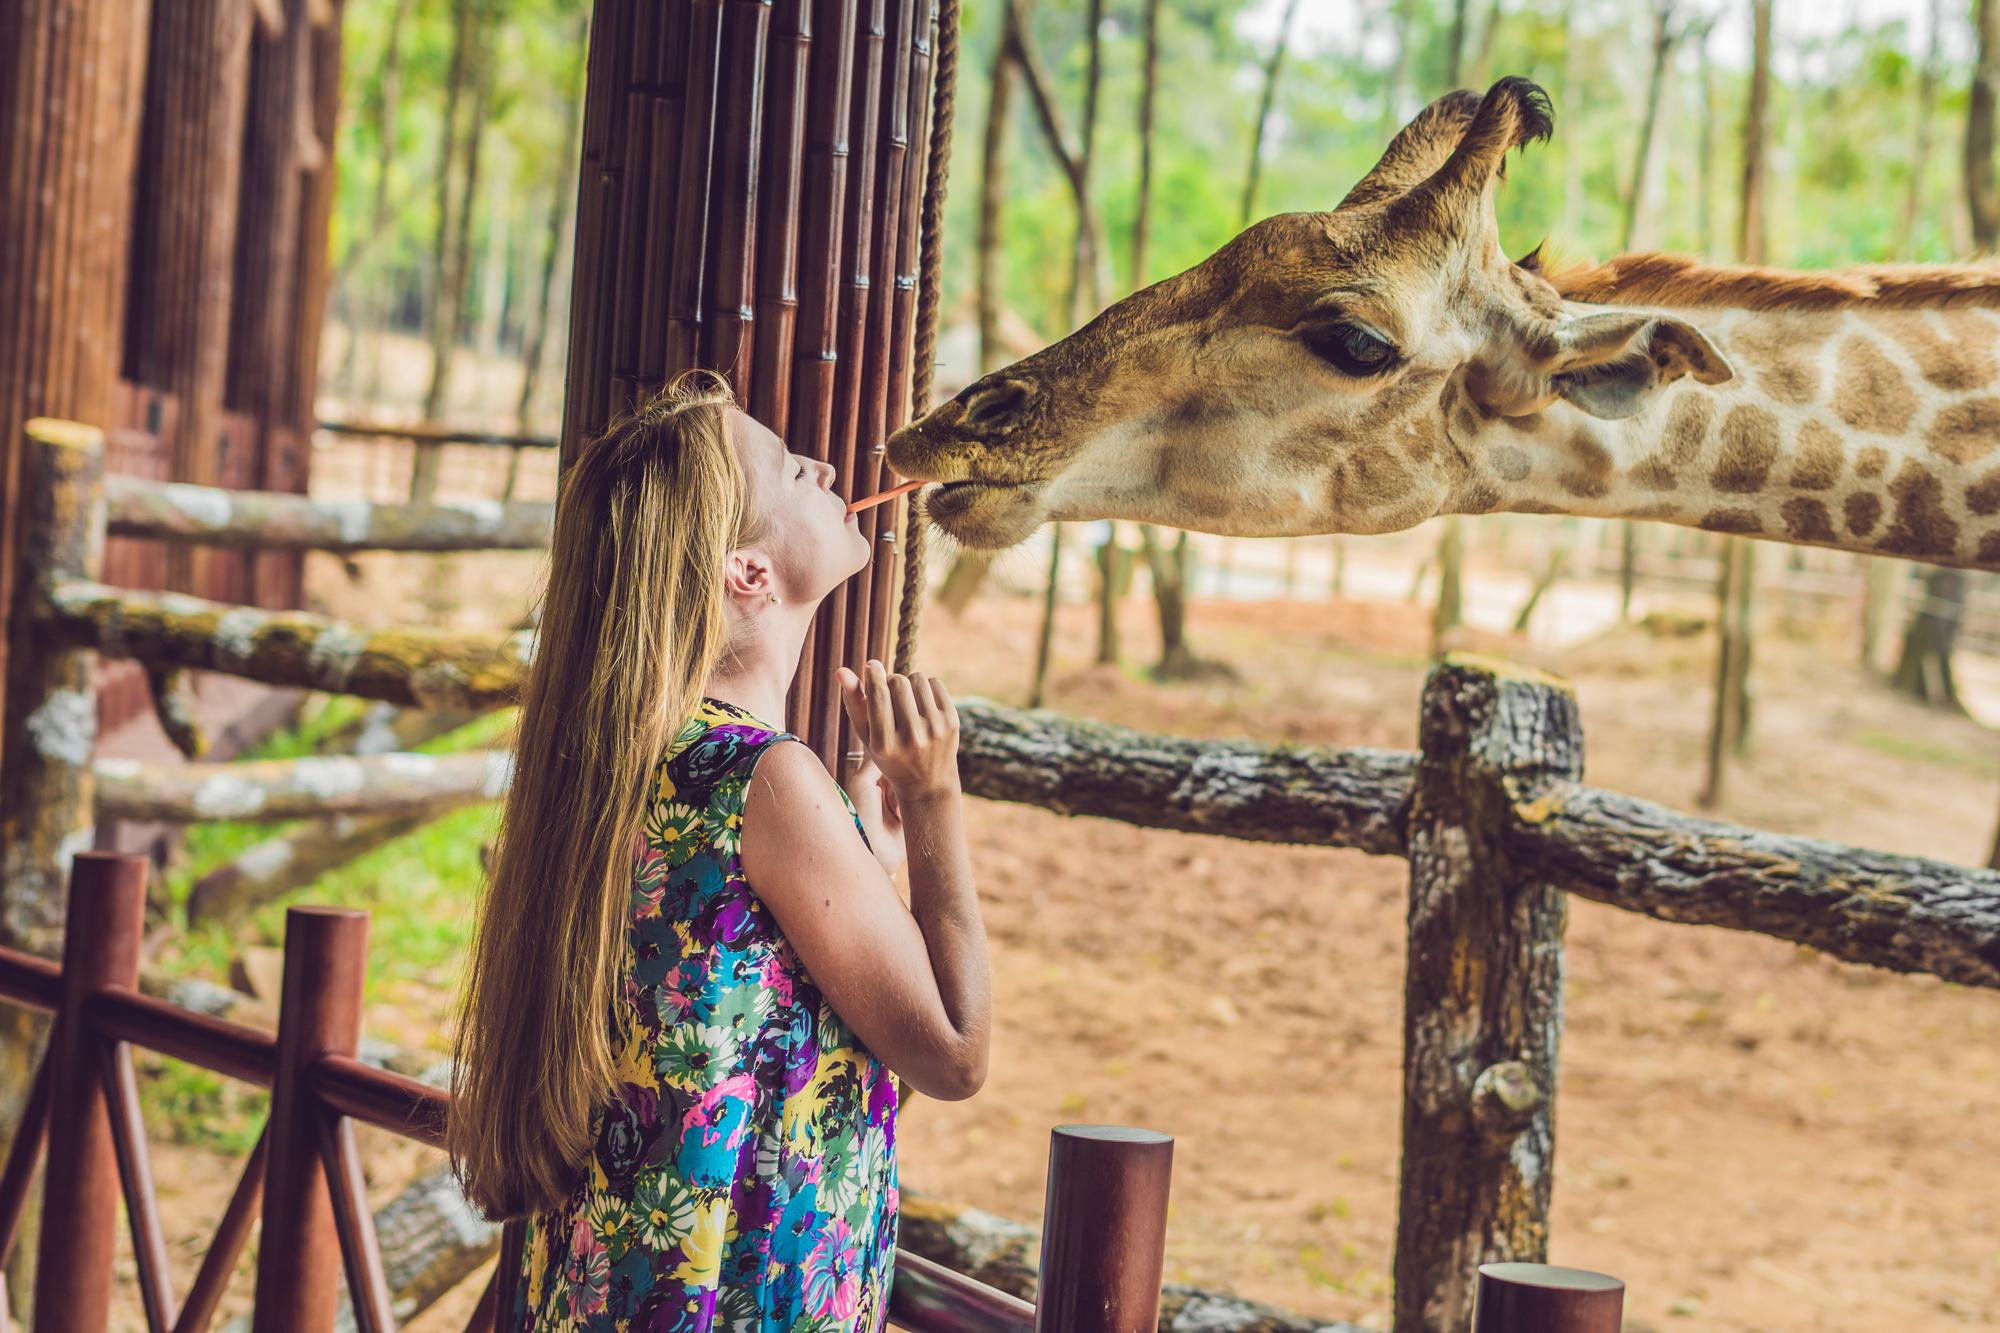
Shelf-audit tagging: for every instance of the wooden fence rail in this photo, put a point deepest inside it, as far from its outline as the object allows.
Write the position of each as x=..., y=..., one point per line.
x=280, y=521
x=1108, y=1185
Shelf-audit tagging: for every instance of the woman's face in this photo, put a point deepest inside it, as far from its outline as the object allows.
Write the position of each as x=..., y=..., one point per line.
x=813, y=542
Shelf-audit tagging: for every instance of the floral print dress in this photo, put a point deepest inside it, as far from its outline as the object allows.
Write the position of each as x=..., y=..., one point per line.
x=744, y=1173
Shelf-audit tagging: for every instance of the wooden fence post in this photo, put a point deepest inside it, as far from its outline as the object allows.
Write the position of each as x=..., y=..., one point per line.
x=1538, y=1298
x=1482, y=993
x=298, y=1257
x=1104, y=1230
x=45, y=775
x=50, y=729
x=80, y=1185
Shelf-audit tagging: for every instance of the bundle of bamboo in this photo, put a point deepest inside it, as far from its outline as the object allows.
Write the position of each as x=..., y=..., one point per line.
x=752, y=191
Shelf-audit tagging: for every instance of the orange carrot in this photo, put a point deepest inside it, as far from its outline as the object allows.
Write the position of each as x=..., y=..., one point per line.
x=882, y=497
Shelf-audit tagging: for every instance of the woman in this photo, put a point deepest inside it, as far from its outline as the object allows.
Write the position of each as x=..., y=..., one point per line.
x=691, y=974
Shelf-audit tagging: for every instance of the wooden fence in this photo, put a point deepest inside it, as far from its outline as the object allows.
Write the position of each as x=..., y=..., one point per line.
x=1105, y=1234
x=1490, y=814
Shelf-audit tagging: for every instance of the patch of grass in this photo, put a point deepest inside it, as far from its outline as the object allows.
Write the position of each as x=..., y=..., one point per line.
x=193, y=1105
x=1929, y=752
x=419, y=889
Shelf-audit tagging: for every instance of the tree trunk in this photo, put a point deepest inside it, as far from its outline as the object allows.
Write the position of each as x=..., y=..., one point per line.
x=1171, y=571
x=1045, y=642
x=1454, y=69
x=372, y=311
x=1729, y=719
x=1750, y=242
x=1482, y=63
x=559, y=247
x=1142, y=217
x=992, y=194
x=1113, y=571
x=1882, y=582
x=1923, y=672
x=1264, y=105
x=1399, y=65
x=1705, y=145
x=1981, y=195
x=449, y=263
x=1664, y=39
x=1920, y=151
x=1449, y=613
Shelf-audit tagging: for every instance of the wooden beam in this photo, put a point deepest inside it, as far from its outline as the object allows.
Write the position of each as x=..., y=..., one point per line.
x=303, y=788
x=277, y=520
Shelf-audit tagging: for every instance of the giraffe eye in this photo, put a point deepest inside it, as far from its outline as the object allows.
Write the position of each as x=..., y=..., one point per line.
x=1351, y=349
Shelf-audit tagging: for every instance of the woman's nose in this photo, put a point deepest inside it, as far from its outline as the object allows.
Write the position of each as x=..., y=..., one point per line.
x=826, y=473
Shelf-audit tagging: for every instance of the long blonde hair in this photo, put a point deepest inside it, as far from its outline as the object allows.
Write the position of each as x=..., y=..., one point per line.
x=633, y=619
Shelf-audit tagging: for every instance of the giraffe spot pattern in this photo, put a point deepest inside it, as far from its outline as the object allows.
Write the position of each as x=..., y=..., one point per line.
x=1784, y=372
x=1989, y=549
x=1863, y=510
x=1966, y=432
x=1749, y=448
x=1870, y=395
x=1819, y=460
x=1590, y=476
x=1509, y=462
x=1680, y=444
x=1806, y=519
x=1871, y=462
x=1479, y=499
x=1957, y=361
x=1983, y=496
x=1920, y=526
x=1743, y=521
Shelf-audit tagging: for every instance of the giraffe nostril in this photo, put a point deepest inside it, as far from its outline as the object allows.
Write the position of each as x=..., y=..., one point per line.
x=996, y=404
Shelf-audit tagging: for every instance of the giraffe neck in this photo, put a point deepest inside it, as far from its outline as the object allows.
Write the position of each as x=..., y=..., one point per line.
x=1867, y=429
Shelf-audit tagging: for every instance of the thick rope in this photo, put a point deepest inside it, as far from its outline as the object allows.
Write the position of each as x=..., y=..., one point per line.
x=930, y=264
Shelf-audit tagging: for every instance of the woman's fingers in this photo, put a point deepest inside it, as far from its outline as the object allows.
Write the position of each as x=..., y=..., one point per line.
x=947, y=710
x=852, y=703
x=881, y=721
x=909, y=720
x=920, y=685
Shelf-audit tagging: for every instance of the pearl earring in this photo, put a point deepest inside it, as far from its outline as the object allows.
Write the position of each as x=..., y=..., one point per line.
x=776, y=598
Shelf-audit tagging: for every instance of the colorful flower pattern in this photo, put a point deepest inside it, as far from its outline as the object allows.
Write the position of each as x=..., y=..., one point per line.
x=744, y=1174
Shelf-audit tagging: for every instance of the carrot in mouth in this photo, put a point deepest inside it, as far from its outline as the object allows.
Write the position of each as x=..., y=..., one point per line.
x=882, y=497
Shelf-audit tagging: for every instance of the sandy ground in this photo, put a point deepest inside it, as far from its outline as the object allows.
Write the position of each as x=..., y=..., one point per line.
x=1752, y=1136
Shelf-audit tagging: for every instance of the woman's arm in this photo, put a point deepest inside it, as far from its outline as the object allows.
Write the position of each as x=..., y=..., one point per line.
x=912, y=982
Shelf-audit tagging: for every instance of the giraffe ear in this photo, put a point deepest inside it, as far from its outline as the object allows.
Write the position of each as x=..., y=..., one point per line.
x=1614, y=365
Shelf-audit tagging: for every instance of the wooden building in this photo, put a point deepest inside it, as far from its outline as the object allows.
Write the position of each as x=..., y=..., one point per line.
x=169, y=177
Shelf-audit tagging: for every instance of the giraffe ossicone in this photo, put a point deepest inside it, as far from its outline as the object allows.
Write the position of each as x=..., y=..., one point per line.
x=1365, y=368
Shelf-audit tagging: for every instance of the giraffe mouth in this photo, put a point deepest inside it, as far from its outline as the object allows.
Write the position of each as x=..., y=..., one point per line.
x=985, y=514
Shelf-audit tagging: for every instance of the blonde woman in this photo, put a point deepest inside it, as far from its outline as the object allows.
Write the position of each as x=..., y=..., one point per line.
x=692, y=975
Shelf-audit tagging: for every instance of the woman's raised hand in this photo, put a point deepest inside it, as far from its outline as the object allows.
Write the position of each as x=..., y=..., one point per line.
x=909, y=726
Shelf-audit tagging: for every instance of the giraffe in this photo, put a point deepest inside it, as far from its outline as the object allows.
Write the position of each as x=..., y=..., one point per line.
x=1367, y=368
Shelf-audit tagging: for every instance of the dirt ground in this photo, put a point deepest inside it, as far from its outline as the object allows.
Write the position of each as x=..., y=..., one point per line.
x=1752, y=1136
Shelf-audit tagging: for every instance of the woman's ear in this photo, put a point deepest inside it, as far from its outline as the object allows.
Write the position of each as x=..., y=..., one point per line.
x=749, y=575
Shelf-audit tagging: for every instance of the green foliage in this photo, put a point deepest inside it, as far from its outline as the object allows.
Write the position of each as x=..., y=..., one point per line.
x=1843, y=131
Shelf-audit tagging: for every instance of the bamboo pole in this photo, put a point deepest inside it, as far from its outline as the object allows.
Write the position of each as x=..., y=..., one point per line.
x=780, y=181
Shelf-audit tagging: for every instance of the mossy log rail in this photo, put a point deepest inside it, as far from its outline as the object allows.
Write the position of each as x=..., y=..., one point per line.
x=304, y=788
x=424, y=668
x=278, y=521
x=1900, y=912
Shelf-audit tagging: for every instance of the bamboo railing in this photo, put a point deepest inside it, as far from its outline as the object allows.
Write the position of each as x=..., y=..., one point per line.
x=707, y=128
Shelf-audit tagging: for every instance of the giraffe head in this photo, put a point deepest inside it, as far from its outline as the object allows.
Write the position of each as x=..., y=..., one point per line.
x=1322, y=372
